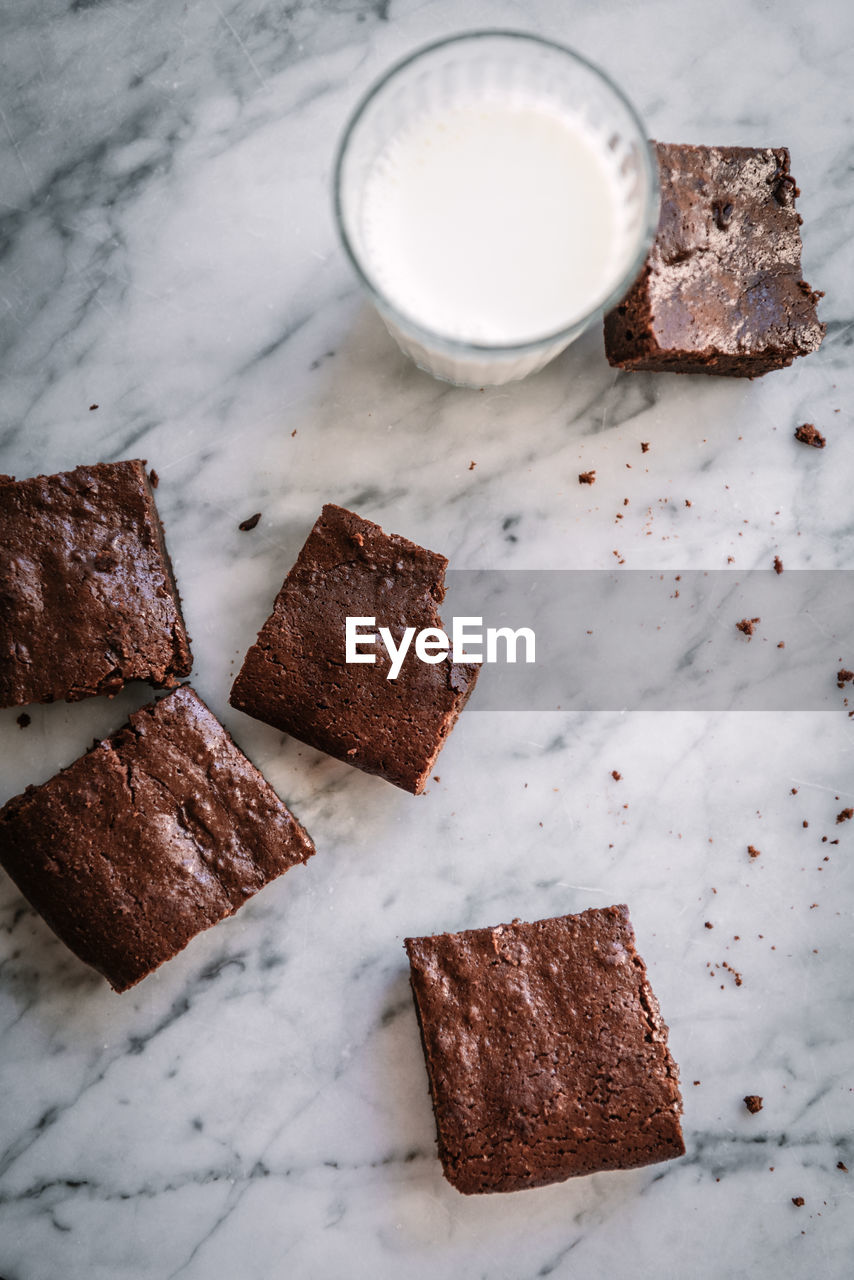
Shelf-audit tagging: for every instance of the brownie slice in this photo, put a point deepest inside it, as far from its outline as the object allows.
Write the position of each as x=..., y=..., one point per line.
x=546, y=1051
x=87, y=596
x=721, y=291
x=295, y=676
x=154, y=835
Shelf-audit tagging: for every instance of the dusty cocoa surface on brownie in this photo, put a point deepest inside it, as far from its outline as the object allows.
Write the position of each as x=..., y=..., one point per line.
x=156, y=833
x=546, y=1052
x=721, y=291
x=87, y=597
x=295, y=677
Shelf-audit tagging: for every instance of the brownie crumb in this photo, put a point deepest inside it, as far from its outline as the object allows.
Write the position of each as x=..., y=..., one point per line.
x=753, y=1102
x=154, y=478
x=616, y=775
x=794, y=791
x=754, y=853
x=798, y=1201
x=587, y=477
x=250, y=523
x=842, y=677
x=472, y=466
x=293, y=433
x=843, y=1167
x=778, y=565
x=23, y=720
x=709, y=924
x=92, y=406
x=644, y=444
x=807, y=434
x=844, y=816
x=747, y=626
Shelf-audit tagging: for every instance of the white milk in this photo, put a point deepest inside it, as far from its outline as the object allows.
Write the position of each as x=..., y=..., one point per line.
x=495, y=222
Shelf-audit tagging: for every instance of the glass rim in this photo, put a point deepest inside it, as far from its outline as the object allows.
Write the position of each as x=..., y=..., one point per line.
x=461, y=346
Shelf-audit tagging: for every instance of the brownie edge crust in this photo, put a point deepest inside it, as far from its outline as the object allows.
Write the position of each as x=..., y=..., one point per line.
x=546, y=1052
x=157, y=833
x=295, y=676
x=721, y=291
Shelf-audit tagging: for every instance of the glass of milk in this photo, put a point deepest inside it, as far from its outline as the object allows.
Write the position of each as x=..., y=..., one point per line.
x=495, y=193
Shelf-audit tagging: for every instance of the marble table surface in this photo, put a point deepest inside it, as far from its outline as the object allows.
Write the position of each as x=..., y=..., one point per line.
x=258, y=1108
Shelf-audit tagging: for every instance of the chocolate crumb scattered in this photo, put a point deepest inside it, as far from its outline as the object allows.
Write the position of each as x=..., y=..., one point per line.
x=747, y=626
x=24, y=720
x=754, y=853
x=644, y=446
x=798, y=1201
x=844, y=816
x=753, y=1102
x=472, y=466
x=709, y=924
x=843, y=1167
x=616, y=775
x=807, y=434
x=794, y=791
x=778, y=565
x=92, y=406
x=587, y=477
x=293, y=433
x=154, y=478
x=842, y=677
x=250, y=523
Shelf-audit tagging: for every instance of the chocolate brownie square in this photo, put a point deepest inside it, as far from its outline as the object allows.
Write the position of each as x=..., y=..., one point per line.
x=721, y=291
x=155, y=834
x=546, y=1051
x=87, y=596
x=295, y=676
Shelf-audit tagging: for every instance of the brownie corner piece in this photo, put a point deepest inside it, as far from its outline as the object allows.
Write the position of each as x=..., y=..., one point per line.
x=546, y=1052
x=155, y=834
x=721, y=291
x=295, y=676
x=88, y=600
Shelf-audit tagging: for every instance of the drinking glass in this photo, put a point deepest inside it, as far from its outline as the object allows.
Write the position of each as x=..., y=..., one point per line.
x=483, y=66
